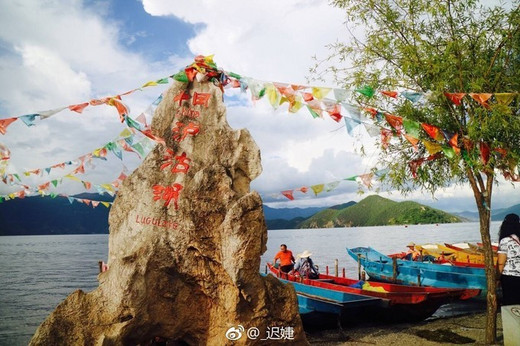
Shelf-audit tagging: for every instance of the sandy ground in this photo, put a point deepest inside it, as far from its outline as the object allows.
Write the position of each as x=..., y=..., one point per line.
x=465, y=329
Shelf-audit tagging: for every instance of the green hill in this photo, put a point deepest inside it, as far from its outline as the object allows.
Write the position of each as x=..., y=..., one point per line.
x=378, y=211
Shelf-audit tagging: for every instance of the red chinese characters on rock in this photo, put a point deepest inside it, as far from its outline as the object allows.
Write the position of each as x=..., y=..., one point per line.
x=181, y=165
x=201, y=99
x=181, y=130
x=167, y=193
x=184, y=95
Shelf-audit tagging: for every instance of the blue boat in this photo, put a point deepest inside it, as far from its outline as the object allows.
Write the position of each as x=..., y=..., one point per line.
x=381, y=268
x=312, y=299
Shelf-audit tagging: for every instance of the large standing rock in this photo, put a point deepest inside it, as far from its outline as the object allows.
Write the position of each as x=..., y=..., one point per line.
x=186, y=236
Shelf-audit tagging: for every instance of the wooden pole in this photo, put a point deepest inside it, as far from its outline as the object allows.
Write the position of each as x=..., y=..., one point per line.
x=343, y=272
x=327, y=270
x=336, y=270
x=359, y=266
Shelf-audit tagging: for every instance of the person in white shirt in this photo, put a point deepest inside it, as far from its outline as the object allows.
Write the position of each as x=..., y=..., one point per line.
x=305, y=266
x=508, y=263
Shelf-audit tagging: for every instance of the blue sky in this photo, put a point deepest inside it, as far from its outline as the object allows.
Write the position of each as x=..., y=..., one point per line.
x=62, y=52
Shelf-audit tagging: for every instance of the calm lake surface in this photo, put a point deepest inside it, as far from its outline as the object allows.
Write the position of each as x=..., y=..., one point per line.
x=38, y=272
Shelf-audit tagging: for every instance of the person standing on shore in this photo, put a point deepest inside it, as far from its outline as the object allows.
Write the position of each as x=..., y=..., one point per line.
x=508, y=264
x=286, y=259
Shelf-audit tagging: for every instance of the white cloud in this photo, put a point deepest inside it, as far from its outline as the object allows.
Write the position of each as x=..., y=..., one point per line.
x=55, y=53
x=269, y=40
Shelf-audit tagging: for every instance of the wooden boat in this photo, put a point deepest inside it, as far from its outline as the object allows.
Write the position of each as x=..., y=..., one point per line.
x=451, y=253
x=473, y=254
x=397, y=301
x=383, y=268
x=494, y=246
x=439, y=260
x=316, y=299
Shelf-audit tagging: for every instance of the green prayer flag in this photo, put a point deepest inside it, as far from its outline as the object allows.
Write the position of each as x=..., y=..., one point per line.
x=412, y=128
x=54, y=182
x=132, y=123
x=181, y=77
x=235, y=75
x=1, y=199
x=261, y=93
x=367, y=91
x=353, y=178
x=313, y=112
x=162, y=81
x=17, y=176
x=139, y=148
x=53, y=195
x=448, y=151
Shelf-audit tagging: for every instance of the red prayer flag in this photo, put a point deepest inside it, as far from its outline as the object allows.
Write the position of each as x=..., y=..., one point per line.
x=4, y=123
x=79, y=107
x=484, y=152
x=433, y=131
x=386, y=135
x=307, y=97
x=395, y=121
x=288, y=194
x=456, y=98
x=392, y=94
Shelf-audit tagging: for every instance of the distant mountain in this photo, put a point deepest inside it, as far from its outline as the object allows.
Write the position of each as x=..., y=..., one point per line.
x=468, y=215
x=376, y=211
x=46, y=215
x=286, y=219
x=499, y=214
x=289, y=213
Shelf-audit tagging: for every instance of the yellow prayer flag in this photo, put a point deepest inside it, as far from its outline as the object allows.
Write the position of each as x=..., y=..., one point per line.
x=125, y=133
x=295, y=106
x=505, y=98
x=432, y=147
x=150, y=83
x=273, y=95
x=107, y=187
x=320, y=93
x=317, y=188
x=106, y=204
x=73, y=178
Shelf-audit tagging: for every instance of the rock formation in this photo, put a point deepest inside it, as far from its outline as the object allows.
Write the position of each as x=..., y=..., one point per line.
x=186, y=236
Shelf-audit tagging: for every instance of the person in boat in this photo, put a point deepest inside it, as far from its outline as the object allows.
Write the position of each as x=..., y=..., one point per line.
x=305, y=267
x=286, y=259
x=508, y=263
x=413, y=254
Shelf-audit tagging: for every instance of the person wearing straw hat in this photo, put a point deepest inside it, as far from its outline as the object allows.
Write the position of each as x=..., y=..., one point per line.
x=412, y=253
x=305, y=267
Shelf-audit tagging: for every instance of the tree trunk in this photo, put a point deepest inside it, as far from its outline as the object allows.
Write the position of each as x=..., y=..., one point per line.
x=491, y=298
x=483, y=200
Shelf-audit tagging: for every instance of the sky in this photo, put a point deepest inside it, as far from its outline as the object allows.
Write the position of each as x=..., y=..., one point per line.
x=55, y=53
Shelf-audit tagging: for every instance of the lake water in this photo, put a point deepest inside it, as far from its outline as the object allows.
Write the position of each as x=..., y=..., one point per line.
x=38, y=272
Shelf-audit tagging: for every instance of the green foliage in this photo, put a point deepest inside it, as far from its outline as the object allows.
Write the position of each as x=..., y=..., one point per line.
x=437, y=46
x=378, y=211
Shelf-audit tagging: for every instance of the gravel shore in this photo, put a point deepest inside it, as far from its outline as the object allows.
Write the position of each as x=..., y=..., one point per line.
x=462, y=329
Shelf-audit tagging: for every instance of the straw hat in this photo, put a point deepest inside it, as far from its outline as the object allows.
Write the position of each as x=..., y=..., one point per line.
x=305, y=254
x=410, y=244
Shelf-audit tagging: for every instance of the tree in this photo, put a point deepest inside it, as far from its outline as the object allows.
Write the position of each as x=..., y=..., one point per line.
x=463, y=59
